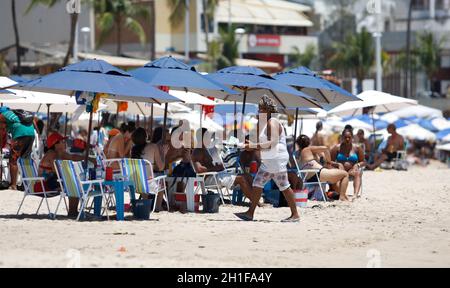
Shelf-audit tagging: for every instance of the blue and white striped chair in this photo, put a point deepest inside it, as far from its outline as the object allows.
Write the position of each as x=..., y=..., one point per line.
x=29, y=174
x=140, y=172
x=71, y=176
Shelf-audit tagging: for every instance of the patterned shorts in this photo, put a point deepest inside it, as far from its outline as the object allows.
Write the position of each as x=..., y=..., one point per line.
x=21, y=147
x=280, y=178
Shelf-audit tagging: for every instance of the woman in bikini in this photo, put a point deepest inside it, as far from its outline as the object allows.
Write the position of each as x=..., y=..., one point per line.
x=351, y=157
x=308, y=160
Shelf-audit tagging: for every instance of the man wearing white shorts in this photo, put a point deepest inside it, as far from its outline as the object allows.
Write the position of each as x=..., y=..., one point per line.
x=274, y=161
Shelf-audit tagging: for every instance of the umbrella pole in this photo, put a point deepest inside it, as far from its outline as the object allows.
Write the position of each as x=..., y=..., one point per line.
x=117, y=115
x=296, y=122
x=88, y=146
x=372, y=153
x=65, y=125
x=48, y=119
x=243, y=110
x=235, y=120
x=166, y=107
x=151, y=121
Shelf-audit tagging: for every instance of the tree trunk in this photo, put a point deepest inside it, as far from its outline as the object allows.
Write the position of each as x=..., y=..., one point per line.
x=408, y=50
x=73, y=27
x=152, y=31
x=119, y=35
x=16, y=35
x=206, y=20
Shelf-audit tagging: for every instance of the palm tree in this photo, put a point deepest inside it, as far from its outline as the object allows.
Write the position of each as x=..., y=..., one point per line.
x=209, y=9
x=355, y=54
x=428, y=53
x=298, y=58
x=230, y=48
x=112, y=14
x=16, y=35
x=73, y=24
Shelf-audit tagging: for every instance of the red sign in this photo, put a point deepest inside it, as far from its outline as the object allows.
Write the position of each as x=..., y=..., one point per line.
x=207, y=109
x=264, y=40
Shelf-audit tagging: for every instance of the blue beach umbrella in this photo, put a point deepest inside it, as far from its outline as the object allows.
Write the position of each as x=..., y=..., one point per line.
x=173, y=73
x=96, y=76
x=443, y=135
x=312, y=84
x=252, y=83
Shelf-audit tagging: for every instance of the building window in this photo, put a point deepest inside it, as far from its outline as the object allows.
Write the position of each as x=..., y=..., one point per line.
x=421, y=4
x=210, y=26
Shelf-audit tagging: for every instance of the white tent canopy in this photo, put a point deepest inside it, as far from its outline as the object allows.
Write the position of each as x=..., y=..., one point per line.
x=383, y=103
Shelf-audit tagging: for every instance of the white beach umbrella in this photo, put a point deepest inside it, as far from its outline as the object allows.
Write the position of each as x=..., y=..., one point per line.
x=444, y=147
x=195, y=123
x=382, y=103
x=413, y=131
x=419, y=111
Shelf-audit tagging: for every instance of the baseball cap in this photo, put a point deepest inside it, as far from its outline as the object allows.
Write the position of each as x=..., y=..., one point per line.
x=54, y=138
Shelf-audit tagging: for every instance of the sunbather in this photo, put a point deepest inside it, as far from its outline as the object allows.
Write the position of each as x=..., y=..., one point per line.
x=351, y=157
x=329, y=173
x=395, y=143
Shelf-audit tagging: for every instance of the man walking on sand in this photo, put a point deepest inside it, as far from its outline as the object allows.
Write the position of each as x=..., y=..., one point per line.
x=274, y=161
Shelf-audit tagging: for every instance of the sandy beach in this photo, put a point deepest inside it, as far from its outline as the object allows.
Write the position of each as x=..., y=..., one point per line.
x=401, y=221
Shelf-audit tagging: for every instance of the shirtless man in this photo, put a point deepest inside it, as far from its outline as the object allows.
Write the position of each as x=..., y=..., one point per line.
x=203, y=162
x=317, y=139
x=395, y=143
x=118, y=146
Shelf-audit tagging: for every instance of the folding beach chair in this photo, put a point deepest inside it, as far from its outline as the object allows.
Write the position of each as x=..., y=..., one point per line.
x=140, y=172
x=71, y=175
x=214, y=176
x=29, y=173
x=305, y=172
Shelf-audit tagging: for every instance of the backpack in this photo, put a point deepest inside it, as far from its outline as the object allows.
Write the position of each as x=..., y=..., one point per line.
x=26, y=117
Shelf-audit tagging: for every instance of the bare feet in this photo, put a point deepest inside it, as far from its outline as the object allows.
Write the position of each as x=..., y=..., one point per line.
x=13, y=187
x=344, y=199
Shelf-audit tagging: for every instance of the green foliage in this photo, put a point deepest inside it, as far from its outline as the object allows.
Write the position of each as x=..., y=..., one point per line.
x=355, y=54
x=126, y=12
x=298, y=58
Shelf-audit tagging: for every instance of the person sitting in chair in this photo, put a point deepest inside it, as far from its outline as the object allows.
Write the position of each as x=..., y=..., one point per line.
x=56, y=145
x=203, y=162
x=395, y=143
x=330, y=172
x=351, y=157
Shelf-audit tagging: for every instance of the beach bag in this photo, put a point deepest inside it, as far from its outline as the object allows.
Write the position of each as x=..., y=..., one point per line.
x=26, y=117
x=183, y=170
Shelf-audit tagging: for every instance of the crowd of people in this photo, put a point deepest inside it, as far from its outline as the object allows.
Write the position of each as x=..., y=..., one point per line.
x=336, y=165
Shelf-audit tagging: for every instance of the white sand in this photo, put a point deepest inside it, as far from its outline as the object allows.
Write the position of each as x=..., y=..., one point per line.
x=404, y=217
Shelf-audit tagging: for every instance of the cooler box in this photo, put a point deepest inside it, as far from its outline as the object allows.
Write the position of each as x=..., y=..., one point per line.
x=187, y=205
